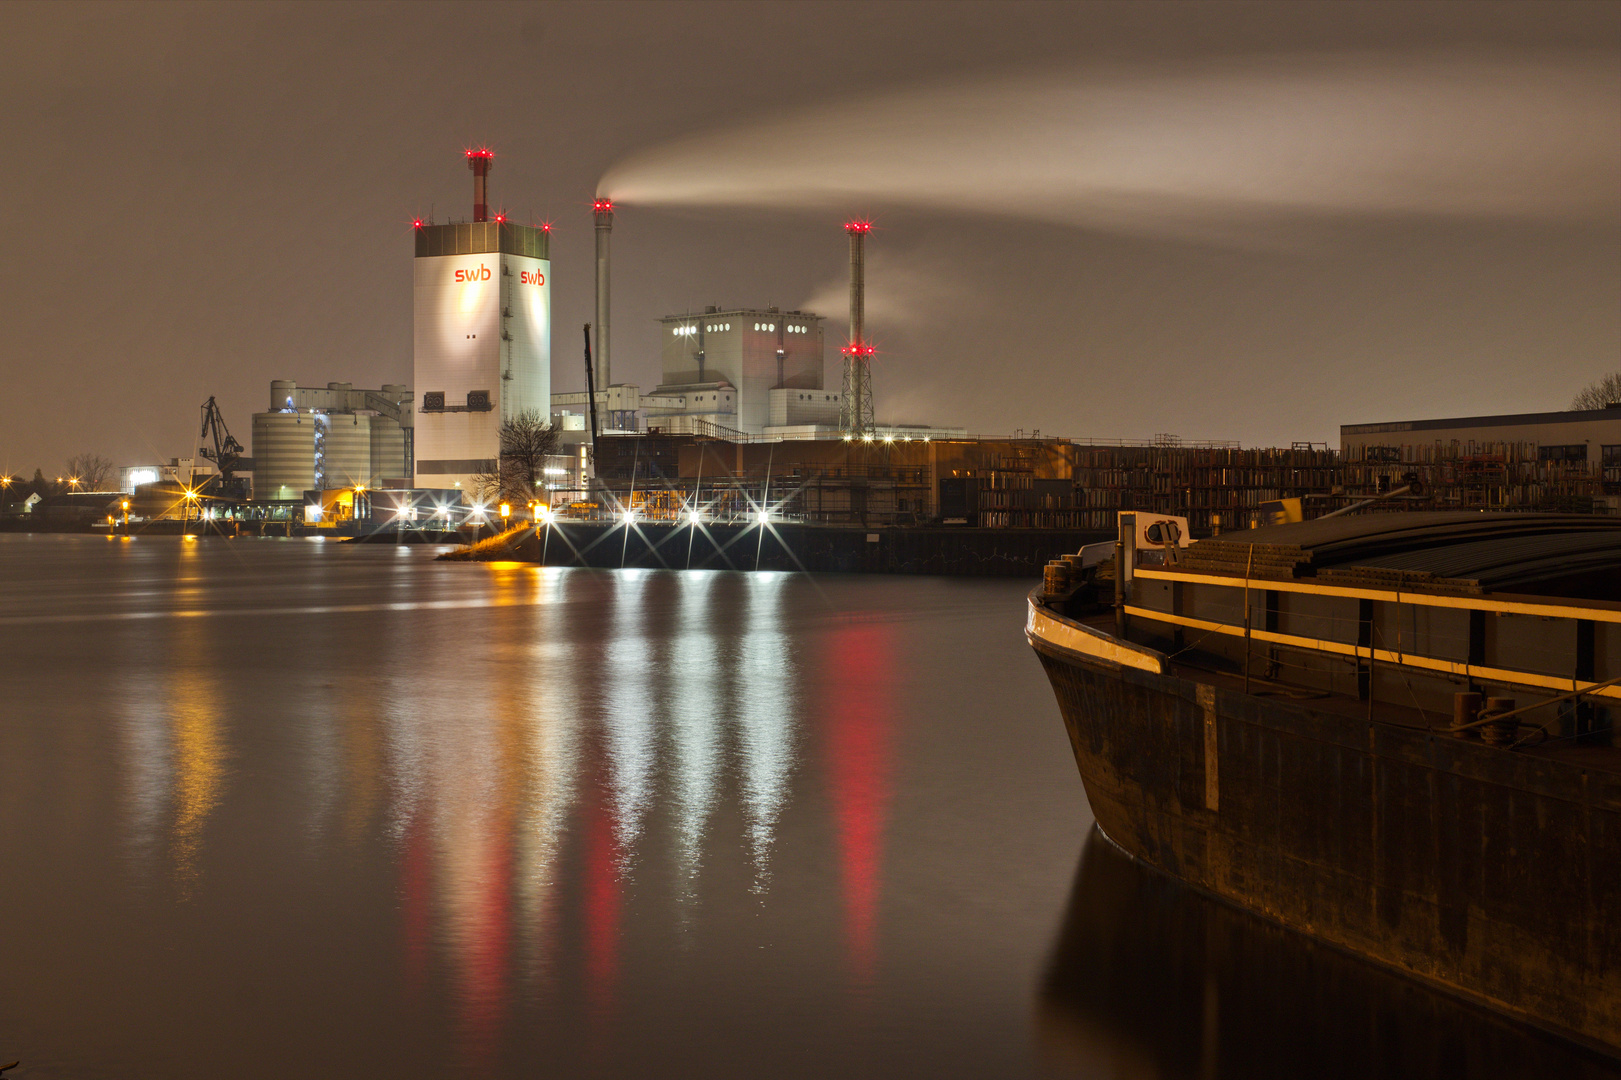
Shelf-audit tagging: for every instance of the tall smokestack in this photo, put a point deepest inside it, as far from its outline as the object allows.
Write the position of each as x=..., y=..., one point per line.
x=480, y=161
x=856, y=411
x=604, y=209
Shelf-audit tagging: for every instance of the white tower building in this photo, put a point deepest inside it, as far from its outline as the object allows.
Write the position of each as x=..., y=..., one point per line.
x=482, y=327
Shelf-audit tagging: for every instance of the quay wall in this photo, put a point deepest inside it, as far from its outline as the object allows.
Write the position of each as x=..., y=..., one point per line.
x=917, y=550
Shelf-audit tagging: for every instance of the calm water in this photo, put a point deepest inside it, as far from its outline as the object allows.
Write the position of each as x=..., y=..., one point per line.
x=286, y=808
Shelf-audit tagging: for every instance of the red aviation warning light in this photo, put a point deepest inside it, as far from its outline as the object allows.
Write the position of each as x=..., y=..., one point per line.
x=858, y=226
x=545, y=226
x=501, y=218
x=603, y=206
x=417, y=223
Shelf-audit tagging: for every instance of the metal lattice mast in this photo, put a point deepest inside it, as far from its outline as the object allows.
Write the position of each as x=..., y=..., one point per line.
x=855, y=408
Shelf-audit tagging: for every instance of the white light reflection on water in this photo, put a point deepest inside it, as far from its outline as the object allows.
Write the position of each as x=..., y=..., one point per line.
x=626, y=723
x=696, y=702
x=551, y=763
x=768, y=720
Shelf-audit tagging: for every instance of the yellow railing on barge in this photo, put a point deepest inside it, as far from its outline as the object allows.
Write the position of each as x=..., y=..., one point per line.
x=1392, y=657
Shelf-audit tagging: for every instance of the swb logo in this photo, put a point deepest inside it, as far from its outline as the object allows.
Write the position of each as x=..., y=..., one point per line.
x=481, y=274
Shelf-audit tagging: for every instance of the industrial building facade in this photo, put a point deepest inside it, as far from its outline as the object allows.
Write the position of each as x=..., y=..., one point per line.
x=748, y=372
x=481, y=341
x=1031, y=483
x=1565, y=461
x=750, y=369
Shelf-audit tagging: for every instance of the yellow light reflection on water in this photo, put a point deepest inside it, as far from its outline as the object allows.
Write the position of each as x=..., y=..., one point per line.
x=199, y=765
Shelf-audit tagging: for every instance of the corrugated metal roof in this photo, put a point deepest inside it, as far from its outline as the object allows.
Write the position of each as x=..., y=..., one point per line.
x=1495, y=563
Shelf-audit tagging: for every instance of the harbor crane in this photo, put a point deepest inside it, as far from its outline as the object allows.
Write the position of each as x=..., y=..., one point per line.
x=226, y=453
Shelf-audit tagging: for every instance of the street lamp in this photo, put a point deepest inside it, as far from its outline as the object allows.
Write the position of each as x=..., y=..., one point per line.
x=126, y=517
x=506, y=512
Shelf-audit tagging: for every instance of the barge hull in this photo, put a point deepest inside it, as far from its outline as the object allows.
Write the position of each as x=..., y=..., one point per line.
x=1469, y=867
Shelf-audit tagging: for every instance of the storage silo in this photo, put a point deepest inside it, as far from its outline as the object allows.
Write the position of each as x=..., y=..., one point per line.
x=387, y=450
x=348, y=450
x=283, y=455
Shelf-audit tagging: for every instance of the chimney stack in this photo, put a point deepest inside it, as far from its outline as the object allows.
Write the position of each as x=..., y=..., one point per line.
x=604, y=210
x=856, y=411
x=480, y=162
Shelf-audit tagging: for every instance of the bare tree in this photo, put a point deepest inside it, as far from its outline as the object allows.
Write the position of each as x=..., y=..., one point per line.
x=92, y=471
x=1600, y=394
x=517, y=476
x=486, y=487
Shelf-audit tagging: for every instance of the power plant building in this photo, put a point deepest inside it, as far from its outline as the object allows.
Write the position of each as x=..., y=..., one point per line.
x=482, y=336
x=759, y=371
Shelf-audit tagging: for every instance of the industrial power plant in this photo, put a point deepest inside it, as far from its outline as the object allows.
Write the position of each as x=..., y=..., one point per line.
x=746, y=422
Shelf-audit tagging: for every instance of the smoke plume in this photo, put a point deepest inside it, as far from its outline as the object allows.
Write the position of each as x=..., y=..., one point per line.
x=1198, y=148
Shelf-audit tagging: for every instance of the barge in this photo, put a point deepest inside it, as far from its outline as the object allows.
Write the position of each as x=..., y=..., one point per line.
x=1392, y=732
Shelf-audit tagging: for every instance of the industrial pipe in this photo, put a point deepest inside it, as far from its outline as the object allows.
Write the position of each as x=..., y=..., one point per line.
x=1414, y=488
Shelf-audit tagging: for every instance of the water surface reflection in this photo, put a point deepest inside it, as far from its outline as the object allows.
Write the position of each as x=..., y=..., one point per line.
x=1151, y=980
x=346, y=806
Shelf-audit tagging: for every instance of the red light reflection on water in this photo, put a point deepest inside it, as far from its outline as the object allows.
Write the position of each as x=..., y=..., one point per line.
x=488, y=941
x=601, y=911
x=417, y=917
x=859, y=738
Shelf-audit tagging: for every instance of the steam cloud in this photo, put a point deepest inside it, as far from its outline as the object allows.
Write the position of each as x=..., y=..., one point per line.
x=1205, y=148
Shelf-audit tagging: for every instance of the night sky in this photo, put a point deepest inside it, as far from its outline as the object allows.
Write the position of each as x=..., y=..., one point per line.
x=1223, y=221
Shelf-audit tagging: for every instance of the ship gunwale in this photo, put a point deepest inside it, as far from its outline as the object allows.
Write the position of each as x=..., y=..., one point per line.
x=1600, y=786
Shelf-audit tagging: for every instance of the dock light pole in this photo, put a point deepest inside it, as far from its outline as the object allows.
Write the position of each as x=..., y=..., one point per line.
x=126, y=517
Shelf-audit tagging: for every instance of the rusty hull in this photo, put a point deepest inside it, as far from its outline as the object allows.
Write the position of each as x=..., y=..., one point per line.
x=1490, y=873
